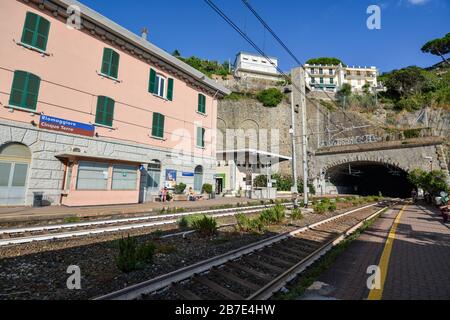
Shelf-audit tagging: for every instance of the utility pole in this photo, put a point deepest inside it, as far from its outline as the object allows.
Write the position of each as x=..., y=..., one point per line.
x=299, y=94
x=294, y=150
x=304, y=137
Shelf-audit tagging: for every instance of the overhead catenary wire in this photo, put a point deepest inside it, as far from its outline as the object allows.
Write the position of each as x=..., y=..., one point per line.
x=266, y=26
x=228, y=20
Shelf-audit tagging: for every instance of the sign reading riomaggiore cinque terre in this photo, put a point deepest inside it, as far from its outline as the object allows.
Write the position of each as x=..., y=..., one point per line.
x=66, y=126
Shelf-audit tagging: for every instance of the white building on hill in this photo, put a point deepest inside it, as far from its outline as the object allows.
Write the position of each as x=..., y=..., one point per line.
x=249, y=65
x=332, y=77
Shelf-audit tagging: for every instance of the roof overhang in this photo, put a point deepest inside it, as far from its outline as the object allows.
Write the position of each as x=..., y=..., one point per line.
x=227, y=154
x=79, y=155
x=125, y=35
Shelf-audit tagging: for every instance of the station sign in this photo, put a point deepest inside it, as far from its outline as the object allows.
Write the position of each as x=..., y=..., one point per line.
x=188, y=174
x=66, y=126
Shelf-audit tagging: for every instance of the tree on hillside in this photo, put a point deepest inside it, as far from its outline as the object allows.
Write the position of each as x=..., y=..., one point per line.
x=325, y=61
x=344, y=93
x=405, y=82
x=438, y=47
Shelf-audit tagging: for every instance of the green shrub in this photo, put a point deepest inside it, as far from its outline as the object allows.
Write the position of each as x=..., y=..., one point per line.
x=145, y=253
x=274, y=215
x=246, y=224
x=126, y=260
x=179, y=188
x=183, y=223
x=206, y=227
x=133, y=256
x=270, y=97
x=297, y=214
x=320, y=208
x=72, y=220
x=332, y=207
x=207, y=188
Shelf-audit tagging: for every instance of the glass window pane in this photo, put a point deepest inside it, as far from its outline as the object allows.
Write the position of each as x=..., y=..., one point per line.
x=20, y=175
x=5, y=170
x=124, y=177
x=92, y=176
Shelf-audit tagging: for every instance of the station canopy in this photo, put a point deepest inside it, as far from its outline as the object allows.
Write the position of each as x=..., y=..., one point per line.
x=251, y=156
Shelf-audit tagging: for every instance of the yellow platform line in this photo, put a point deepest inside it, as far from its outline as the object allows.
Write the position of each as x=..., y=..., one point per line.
x=377, y=294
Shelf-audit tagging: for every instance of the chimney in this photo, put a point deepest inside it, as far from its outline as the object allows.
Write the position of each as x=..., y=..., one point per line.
x=144, y=33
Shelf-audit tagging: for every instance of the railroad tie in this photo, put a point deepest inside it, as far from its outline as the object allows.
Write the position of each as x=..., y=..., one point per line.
x=272, y=268
x=276, y=259
x=218, y=288
x=255, y=273
x=286, y=253
x=231, y=277
x=186, y=294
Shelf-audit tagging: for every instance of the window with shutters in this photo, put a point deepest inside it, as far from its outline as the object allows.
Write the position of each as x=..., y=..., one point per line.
x=161, y=86
x=25, y=90
x=105, y=111
x=201, y=104
x=35, y=31
x=200, y=137
x=110, y=63
x=158, y=125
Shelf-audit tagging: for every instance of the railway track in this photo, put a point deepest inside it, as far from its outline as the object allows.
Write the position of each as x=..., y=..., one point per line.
x=16, y=236
x=254, y=272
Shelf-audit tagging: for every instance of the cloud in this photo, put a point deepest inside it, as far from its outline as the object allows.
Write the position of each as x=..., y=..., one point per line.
x=417, y=2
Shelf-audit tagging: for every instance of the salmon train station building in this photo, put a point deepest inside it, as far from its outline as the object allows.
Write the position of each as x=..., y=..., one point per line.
x=96, y=115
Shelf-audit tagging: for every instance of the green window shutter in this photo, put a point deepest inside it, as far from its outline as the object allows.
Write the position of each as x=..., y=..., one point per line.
x=35, y=31
x=170, y=90
x=110, y=63
x=106, y=63
x=25, y=90
x=42, y=34
x=158, y=125
x=201, y=103
x=115, y=58
x=152, y=88
x=105, y=111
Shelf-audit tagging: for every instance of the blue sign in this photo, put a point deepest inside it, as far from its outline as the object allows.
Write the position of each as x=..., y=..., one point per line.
x=188, y=174
x=67, y=126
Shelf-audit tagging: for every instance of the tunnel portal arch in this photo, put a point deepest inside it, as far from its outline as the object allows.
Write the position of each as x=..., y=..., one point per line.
x=368, y=178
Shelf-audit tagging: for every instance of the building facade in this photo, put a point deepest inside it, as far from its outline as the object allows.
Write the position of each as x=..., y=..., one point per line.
x=94, y=114
x=248, y=65
x=332, y=77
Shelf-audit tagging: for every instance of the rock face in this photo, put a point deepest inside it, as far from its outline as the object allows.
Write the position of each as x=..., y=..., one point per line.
x=267, y=129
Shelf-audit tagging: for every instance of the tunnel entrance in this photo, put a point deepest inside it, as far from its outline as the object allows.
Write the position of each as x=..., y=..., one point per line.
x=370, y=178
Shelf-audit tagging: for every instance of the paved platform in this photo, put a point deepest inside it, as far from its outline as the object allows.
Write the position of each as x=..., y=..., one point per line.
x=417, y=260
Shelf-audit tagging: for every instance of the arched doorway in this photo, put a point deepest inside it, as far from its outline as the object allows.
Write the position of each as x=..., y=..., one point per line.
x=198, y=178
x=369, y=178
x=15, y=160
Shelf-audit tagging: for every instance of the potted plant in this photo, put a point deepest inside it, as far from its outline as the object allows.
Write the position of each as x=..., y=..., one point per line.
x=207, y=189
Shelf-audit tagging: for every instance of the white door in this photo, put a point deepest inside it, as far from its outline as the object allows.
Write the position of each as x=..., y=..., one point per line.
x=13, y=177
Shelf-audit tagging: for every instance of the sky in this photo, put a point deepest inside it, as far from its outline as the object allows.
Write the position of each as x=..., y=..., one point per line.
x=333, y=28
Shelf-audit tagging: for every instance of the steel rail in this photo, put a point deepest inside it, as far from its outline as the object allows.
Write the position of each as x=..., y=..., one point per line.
x=278, y=283
x=124, y=220
x=126, y=227
x=164, y=281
